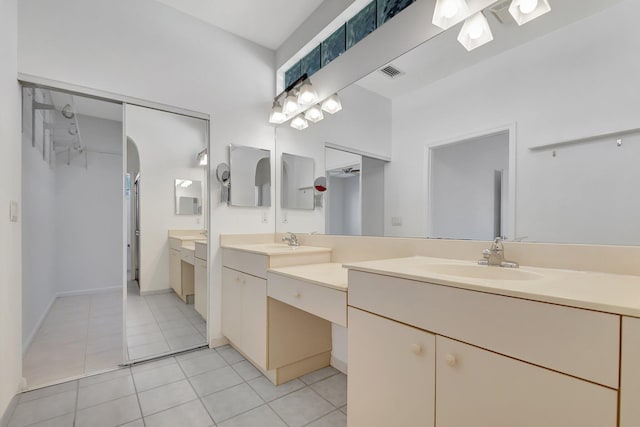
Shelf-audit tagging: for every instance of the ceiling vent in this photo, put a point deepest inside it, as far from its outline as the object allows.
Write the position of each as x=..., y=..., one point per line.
x=391, y=71
x=501, y=11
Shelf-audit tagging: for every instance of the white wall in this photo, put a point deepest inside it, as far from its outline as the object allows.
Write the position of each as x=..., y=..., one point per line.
x=147, y=50
x=570, y=83
x=88, y=214
x=10, y=250
x=38, y=236
x=167, y=145
x=364, y=125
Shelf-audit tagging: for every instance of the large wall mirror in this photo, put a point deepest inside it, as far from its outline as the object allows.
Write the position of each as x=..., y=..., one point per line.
x=297, y=174
x=516, y=138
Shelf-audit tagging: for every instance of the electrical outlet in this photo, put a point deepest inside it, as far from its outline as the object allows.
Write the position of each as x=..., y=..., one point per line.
x=13, y=211
x=265, y=217
x=396, y=221
x=285, y=219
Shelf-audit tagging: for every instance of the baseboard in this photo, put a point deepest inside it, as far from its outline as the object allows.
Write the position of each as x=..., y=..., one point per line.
x=340, y=365
x=32, y=335
x=218, y=342
x=155, y=292
x=103, y=290
x=4, y=420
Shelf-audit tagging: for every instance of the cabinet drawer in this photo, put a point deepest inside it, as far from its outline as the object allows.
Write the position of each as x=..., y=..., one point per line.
x=247, y=262
x=578, y=342
x=175, y=243
x=476, y=387
x=327, y=303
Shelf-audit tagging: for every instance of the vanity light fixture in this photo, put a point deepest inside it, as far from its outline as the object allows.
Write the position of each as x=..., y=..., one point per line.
x=314, y=114
x=524, y=11
x=449, y=12
x=332, y=104
x=299, y=122
x=277, y=116
x=307, y=95
x=203, y=158
x=475, y=32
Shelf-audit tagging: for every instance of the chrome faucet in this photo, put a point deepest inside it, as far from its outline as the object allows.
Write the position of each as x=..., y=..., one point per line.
x=495, y=255
x=292, y=239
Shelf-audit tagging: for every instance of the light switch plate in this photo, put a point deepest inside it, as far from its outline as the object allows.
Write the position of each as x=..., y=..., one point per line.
x=13, y=211
x=396, y=221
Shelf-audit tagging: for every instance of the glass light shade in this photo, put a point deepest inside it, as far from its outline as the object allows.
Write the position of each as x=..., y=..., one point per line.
x=449, y=12
x=332, y=104
x=314, y=114
x=299, y=122
x=290, y=104
x=203, y=158
x=475, y=32
x=277, y=116
x=308, y=94
x=524, y=11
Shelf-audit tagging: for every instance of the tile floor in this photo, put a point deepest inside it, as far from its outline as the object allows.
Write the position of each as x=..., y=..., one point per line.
x=202, y=388
x=80, y=334
x=161, y=323
x=83, y=334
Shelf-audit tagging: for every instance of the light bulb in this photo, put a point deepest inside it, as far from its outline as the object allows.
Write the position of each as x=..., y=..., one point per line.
x=332, y=104
x=528, y=6
x=290, y=105
x=308, y=95
x=277, y=116
x=475, y=30
x=314, y=114
x=449, y=10
x=299, y=122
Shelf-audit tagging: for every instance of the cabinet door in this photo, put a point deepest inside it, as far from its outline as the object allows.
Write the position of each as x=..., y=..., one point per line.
x=231, y=306
x=175, y=272
x=200, y=291
x=254, y=318
x=391, y=373
x=244, y=313
x=479, y=388
x=630, y=374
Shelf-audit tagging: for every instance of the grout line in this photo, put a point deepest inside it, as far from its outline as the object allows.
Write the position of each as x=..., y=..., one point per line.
x=135, y=387
x=197, y=395
x=75, y=412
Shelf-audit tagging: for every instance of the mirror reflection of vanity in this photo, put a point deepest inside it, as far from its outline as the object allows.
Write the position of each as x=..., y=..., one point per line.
x=568, y=134
x=188, y=197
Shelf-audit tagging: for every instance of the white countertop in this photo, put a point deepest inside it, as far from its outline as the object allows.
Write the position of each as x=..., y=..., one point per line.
x=330, y=275
x=276, y=249
x=611, y=293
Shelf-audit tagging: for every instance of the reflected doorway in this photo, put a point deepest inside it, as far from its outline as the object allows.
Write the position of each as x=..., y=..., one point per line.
x=469, y=188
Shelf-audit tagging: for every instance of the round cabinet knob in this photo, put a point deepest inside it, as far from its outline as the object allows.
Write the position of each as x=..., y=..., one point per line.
x=416, y=349
x=244, y=281
x=237, y=279
x=451, y=360
x=297, y=295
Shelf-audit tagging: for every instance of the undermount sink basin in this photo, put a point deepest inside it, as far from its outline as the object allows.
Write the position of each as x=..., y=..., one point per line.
x=482, y=272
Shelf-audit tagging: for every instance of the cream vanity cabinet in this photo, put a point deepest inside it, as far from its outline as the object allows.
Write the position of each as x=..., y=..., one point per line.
x=181, y=266
x=200, y=279
x=302, y=342
x=425, y=354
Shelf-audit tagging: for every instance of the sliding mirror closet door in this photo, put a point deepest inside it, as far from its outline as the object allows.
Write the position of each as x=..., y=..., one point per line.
x=166, y=232
x=72, y=166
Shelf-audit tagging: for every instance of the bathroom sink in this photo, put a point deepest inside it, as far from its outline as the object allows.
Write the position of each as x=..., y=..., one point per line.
x=482, y=272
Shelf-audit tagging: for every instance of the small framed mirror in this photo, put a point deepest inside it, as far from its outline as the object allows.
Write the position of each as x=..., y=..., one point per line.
x=250, y=176
x=298, y=174
x=188, y=197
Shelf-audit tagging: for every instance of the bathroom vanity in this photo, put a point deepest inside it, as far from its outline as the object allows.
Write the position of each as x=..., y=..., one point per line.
x=182, y=260
x=283, y=341
x=445, y=343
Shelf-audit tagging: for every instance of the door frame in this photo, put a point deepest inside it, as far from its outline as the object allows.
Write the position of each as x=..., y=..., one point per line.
x=511, y=129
